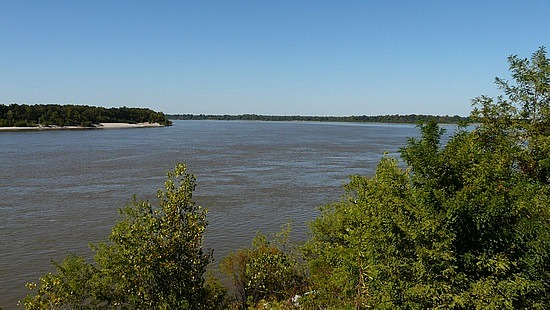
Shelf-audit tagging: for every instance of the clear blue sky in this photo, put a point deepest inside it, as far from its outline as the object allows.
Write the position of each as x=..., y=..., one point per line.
x=265, y=57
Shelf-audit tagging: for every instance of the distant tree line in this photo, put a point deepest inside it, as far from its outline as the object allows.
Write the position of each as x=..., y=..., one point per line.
x=22, y=115
x=410, y=118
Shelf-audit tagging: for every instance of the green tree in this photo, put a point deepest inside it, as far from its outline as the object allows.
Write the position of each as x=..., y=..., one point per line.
x=154, y=259
x=465, y=225
x=63, y=115
x=268, y=272
x=72, y=287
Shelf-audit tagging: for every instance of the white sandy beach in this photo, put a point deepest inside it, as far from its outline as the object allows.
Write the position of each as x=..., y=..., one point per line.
x=98, y=126
x=126, y=125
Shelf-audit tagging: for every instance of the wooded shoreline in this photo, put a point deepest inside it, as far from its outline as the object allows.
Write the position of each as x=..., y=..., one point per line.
x=396, y=118
x=96, y=126
x=64, y=116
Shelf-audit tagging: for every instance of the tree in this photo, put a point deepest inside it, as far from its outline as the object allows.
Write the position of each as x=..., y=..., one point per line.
x=75, y=115
x=531, y=90
x=72, y=287
x=465, y=225
x=267, y=272
x=154, y=259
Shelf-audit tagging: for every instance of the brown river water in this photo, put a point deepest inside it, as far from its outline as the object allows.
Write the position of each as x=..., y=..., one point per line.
x=60, y=190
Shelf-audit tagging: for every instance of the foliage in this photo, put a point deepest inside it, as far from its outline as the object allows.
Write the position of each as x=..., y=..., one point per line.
x=74, y=115
x=465, y=226
x=266, y=273
x=411, y=118
x=154, y=259
x=70, y=288
x=527, y=105
x=217, y=297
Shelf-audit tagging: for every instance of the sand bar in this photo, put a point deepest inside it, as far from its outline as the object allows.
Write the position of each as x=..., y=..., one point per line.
x=126, y=125
x=95, y=126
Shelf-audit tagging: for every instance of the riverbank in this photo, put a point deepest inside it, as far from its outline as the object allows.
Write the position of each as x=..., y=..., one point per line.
x=127, y=125
x=95, y=126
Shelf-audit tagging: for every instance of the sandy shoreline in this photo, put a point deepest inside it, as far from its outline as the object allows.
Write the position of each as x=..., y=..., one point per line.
x=97, y=126
x=126, y=125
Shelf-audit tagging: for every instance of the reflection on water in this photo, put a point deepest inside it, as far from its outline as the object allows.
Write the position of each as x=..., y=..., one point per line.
x=60, y=190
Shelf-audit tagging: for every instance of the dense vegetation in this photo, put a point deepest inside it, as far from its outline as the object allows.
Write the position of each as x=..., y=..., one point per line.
x=22, y=115
x=154, y=259
x=411, y=118
x=465, y=225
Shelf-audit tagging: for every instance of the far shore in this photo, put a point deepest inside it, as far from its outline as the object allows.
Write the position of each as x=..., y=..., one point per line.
x=95, y=126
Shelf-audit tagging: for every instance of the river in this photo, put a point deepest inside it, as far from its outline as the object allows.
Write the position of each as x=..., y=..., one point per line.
x=60, y=190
